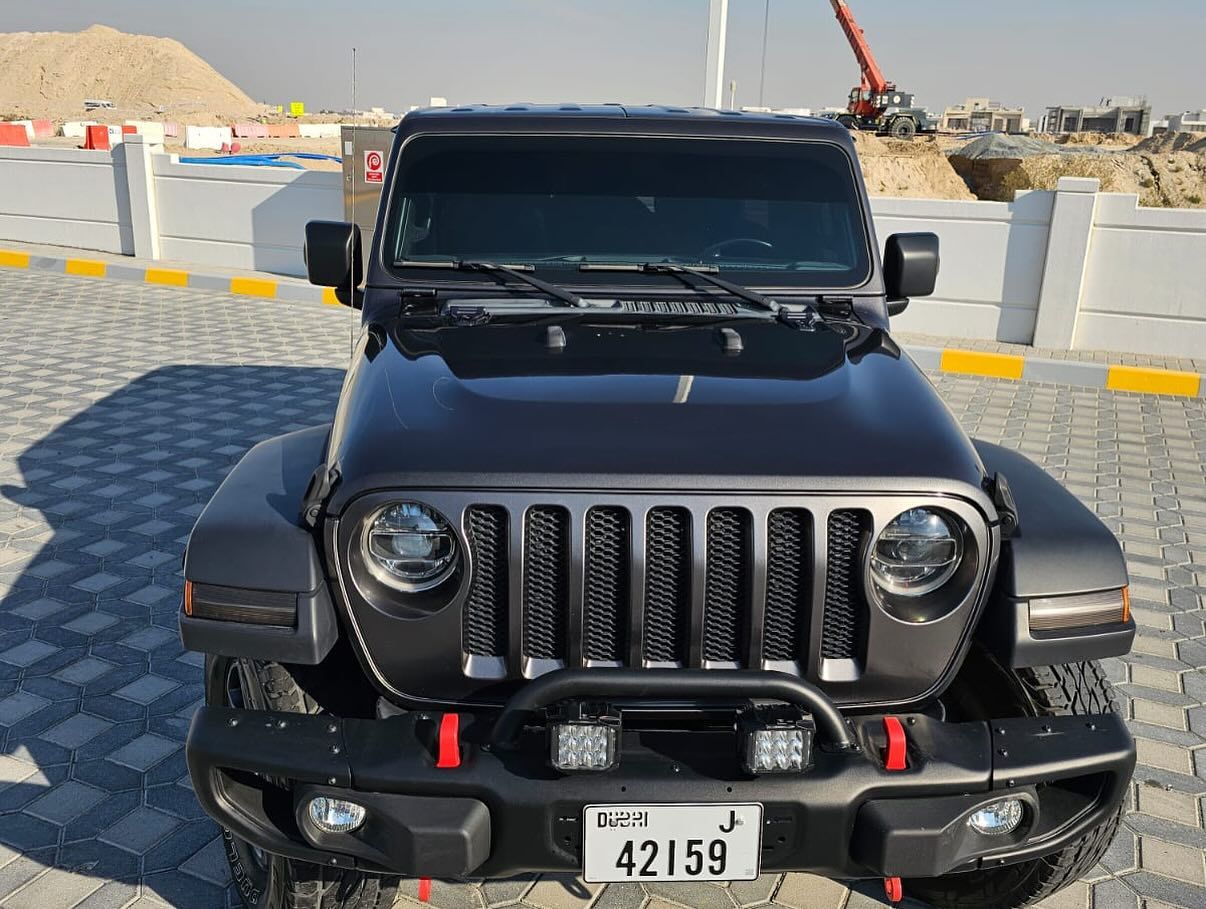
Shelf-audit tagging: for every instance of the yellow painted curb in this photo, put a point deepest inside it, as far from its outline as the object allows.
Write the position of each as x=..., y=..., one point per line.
x=978, y=363
x=89, y=268
x=11, y=259
x=170, y=276
x=1153, y=381
x=329, y=298
x=253, y=287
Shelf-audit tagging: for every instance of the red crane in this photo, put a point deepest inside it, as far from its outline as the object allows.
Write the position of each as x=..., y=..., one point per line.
x=872, y=100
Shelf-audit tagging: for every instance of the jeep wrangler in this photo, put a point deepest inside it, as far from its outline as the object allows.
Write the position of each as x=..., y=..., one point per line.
x=637, y=548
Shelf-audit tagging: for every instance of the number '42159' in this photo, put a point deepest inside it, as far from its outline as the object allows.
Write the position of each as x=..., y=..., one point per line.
x=651, y=858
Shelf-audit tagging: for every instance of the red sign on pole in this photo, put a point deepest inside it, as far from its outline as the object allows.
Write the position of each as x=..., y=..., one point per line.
x=374, y=167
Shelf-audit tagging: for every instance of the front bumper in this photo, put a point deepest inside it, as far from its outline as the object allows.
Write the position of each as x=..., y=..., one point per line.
x=506, y=811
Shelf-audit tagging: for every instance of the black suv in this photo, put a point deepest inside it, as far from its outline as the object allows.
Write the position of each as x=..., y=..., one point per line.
x=638, y=548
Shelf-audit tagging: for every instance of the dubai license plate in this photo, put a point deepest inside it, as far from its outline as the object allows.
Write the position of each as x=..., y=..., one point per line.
x=717, y=842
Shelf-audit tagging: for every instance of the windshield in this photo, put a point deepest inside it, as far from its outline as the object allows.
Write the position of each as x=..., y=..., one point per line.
x=775, y=214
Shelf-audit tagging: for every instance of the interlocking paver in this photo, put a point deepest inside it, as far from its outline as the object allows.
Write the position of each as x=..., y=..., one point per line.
x=109, y=450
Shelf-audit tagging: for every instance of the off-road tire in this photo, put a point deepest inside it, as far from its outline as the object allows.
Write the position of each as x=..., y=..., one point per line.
x=277, y=882
x=902, y=128
x=1074, y=689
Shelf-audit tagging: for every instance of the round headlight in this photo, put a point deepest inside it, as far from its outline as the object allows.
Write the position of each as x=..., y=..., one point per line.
x=409, y=547
x=916, y=553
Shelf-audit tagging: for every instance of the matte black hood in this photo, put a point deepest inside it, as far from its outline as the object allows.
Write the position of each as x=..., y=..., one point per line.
x=659, y=406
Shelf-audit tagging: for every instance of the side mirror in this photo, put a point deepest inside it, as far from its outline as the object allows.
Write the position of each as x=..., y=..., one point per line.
x=333, y=255
x=910, y=268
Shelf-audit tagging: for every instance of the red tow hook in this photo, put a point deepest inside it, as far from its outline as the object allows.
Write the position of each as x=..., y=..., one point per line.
x=893, y=889
x=895, y=757
x=448, y=757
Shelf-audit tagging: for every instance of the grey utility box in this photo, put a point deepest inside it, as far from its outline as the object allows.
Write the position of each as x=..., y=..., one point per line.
x=364, y=146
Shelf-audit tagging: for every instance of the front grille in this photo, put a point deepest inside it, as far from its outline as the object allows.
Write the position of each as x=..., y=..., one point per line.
x=607, y=578
x=484, y=618
x=667, y=584
x=844, y=625
x=788, y=578
x=727, y=589
x=545, y=582
x=662, y=585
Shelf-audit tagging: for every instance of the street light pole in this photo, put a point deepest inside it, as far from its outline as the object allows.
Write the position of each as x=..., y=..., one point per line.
x=718, y=24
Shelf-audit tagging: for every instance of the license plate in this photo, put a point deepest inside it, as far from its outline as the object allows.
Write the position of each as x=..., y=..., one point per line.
x=671, y=842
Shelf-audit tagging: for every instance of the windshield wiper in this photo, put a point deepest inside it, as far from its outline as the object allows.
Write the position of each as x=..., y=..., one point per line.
x=569, y=298
x=703, y=272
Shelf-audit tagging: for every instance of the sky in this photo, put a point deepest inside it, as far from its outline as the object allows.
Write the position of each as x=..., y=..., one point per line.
x=1031, y=53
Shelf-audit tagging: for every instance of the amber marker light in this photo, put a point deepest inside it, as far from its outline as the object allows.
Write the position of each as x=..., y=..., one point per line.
x=1126, y=604
x=188, y=597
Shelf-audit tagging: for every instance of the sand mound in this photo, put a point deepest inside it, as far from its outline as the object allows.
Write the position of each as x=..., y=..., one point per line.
x=1167, y=143
x=49, y=74
x=997, y=167
x=916, y=169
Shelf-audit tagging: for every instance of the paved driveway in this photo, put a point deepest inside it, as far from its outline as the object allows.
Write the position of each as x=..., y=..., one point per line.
x=121, y=408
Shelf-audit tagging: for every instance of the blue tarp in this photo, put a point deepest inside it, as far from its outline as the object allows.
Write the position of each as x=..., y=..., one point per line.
x=261, y=160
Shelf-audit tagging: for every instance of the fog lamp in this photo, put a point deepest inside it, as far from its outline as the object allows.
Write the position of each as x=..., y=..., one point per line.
x=336, y=815
x=786, y=749
x=997, y=818
x=584, y=746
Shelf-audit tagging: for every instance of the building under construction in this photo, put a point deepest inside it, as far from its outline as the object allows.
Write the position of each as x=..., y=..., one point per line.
x=1113, y=115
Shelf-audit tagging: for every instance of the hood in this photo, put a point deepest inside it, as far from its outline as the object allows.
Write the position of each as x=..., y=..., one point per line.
x=746, y=403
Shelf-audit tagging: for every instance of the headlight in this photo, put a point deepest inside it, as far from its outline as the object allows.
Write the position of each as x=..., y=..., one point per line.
x=916, y=553
x=409, y=547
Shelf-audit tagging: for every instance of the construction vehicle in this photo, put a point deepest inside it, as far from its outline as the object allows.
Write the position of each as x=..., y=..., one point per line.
x=876, y=104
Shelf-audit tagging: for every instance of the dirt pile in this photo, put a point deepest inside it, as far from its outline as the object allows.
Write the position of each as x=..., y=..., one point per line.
x=1166, y=143
x=916, y=169
x=49, y=74
x=1165, y=172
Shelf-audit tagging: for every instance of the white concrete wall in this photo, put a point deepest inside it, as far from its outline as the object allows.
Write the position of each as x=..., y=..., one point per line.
x=244, y=217
x=992, y=263
x=1080, y=268
x=1144, y=289
x=66, y=197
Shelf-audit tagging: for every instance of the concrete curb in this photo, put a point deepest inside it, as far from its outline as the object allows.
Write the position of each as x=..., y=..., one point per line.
x=266, y=288
x=1139, y=379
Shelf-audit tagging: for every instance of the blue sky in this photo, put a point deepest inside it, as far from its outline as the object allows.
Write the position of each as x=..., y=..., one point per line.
x=1028, y=52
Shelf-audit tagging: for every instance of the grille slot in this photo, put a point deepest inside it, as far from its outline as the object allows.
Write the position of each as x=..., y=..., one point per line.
x=680, y=307
x=788, y=584
x=484, y=619
x=727, y=585
x=667, y=584
x=606, y=593
x=844, y=623
x=545, y=582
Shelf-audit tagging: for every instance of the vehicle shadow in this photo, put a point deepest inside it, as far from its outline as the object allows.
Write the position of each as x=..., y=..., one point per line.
x=95, y=690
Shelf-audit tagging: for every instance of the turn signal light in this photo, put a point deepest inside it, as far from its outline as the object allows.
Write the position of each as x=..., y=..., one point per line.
x=1107, y=607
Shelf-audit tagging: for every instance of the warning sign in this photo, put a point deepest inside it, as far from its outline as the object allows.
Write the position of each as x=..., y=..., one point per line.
x=374, y=167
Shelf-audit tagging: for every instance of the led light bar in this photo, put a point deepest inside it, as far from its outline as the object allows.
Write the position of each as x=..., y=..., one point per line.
x=584, y=745
x=1107, y=607
x=778, y=749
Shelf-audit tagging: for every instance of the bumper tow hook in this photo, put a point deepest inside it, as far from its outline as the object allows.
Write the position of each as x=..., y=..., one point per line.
x=893, y=889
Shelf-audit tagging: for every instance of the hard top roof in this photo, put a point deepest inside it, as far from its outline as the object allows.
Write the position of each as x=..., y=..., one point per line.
x=621, y=118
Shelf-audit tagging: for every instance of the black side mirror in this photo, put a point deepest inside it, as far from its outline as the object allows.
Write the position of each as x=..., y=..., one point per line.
x=333, y=256
x=910, y=268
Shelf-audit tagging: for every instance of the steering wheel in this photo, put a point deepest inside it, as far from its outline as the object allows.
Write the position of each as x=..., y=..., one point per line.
x=714, y=251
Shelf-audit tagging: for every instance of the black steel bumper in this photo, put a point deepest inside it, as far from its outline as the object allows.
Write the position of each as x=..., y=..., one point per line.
x=506, y=811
